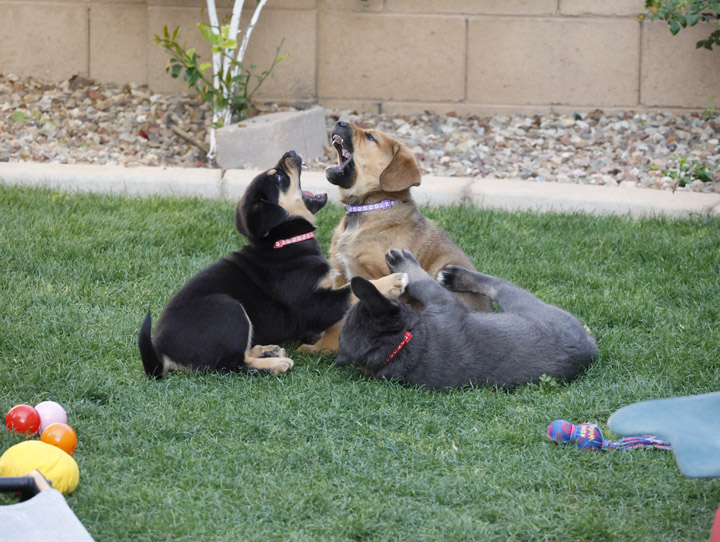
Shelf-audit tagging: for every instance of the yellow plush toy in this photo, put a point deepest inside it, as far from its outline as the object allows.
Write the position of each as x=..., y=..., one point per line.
x=55, y=464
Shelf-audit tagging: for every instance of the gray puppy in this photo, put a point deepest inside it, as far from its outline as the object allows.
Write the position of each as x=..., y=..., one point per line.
x=448, y=345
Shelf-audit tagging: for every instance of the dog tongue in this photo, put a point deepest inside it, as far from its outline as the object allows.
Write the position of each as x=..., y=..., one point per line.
x=308, y=193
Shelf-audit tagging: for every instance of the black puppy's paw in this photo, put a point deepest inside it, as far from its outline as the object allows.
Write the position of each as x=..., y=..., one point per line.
x=458, y=279
x=269, y=351
x=400, y=260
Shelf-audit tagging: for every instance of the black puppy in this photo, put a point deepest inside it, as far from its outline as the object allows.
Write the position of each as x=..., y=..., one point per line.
x=273, y=290
x=448, y=345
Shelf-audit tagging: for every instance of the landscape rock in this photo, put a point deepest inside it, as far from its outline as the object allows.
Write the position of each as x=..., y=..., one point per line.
x=81, y=121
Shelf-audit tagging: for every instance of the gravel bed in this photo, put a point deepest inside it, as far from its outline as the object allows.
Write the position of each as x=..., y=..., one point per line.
x=79, y=121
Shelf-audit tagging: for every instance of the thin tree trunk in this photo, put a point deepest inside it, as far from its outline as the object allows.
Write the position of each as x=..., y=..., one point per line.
x=246, y=40
x=217, y=73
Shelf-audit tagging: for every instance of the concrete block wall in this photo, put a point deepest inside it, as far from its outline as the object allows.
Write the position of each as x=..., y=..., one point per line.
x=469, y=56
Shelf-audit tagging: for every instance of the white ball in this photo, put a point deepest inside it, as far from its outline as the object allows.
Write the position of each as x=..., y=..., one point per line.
x=50, y=412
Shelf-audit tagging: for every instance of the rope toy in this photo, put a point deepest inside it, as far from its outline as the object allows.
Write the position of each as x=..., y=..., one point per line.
x=588, y=436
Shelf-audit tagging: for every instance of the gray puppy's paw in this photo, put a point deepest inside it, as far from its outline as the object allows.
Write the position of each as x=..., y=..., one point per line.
x=400, y=261
x=458, y=279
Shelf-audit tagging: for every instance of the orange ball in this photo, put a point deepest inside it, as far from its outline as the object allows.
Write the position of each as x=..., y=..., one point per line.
x=61, y=435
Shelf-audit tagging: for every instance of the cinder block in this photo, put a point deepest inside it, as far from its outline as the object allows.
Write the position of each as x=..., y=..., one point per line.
x=294, y=78
x=116, y=2
x=674, y=72
x=392, y=57
x=352, y=5
x=179, y=3
x=477, y=109
x=483, y=110
x=553, y=61
x=374, y=107
x=606, y=7
x=118, y=56
x=272, y=4
x=49, y=1
x=48, y=41
x=475, y=7
x=292, y=4
x=361, y=106
x=261, y=141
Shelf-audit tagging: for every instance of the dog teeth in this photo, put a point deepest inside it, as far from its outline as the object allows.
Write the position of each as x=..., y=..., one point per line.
x=344, y=151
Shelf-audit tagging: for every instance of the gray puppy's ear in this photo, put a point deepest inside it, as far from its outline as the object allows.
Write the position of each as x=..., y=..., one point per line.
x=377, y=304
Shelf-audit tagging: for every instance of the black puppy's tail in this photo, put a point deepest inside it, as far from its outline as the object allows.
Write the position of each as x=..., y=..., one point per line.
x=149, y=356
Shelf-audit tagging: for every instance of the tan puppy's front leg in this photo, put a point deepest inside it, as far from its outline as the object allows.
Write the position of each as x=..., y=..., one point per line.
x=390, y=286
x=328, y=342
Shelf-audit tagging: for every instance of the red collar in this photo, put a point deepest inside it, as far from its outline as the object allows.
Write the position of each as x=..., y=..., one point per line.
x=303, y=237
x=406, y=339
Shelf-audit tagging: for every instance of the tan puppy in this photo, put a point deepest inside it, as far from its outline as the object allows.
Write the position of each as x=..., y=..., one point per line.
x=374, y=168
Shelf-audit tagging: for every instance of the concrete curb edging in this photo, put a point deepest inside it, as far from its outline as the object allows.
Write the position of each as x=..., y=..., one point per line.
x=490, y=193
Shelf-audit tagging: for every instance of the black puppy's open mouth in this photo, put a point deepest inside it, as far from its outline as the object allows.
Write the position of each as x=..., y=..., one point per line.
x=314, y=202
x=292, y=160
x=343, y=174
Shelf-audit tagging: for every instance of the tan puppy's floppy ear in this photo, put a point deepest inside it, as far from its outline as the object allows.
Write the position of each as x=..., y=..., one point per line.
x=402, y=173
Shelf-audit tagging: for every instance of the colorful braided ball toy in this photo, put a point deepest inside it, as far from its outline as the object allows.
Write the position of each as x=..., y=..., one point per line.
x=587, y=436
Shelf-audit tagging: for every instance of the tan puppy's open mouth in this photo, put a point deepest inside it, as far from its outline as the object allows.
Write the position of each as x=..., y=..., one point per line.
x=342, y=175
x=343, y=149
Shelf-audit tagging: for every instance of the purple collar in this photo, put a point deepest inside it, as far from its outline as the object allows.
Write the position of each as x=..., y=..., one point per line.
x=384, y=204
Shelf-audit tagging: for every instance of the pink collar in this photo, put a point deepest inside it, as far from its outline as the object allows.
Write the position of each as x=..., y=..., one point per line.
x=303, y=237
x=406, y=339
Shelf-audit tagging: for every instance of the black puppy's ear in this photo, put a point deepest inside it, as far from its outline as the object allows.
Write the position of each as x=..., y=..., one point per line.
x=269, y=215
x=377, y=304
x=259, y=218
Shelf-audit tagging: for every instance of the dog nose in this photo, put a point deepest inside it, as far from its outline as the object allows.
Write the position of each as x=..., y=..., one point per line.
x=342, y=124
x=292, y=154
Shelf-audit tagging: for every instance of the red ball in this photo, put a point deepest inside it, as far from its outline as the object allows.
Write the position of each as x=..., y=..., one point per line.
x=23, y=419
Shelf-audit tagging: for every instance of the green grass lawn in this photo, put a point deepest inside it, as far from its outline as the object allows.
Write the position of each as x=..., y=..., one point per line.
x=328, y=454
